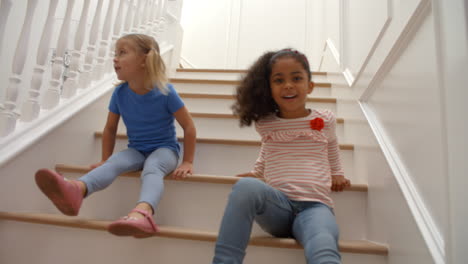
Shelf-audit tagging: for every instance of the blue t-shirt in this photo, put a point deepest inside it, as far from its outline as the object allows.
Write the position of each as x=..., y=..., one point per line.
x=149, y=118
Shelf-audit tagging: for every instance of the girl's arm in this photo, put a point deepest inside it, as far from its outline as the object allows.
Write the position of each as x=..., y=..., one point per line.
x=185, y=121
x=108, y=138
x=339, y=181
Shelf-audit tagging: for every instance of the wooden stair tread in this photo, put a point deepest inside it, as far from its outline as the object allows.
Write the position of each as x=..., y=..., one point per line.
x=64, y=168
x=348, y=246
x=229, y=71
x=229, y=82
x=339, y=120
x=232, y=97
x=237, y=142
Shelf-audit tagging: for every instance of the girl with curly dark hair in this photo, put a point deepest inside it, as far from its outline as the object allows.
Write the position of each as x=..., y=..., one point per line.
x=299, y=164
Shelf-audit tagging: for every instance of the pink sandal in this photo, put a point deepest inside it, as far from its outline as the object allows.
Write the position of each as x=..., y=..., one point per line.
x=66, y=195
x=130, y=226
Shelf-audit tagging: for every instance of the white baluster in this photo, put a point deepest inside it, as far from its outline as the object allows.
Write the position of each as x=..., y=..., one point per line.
x=85, y=77
x=151, y=18
x=103, y=48
x=162, y=22
x=160, y=27
x=5, y=6
x=137, y=17
x=61, y=61
x=116, y=34
x=71, y=83
x=129, y=17
x=31, y=107
x=144, y=20
x=156, y=16
x=9, y=116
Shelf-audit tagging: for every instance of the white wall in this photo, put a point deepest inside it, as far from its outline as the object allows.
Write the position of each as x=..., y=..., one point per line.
x=407, y=104
x=362, y=22
x=389, y=56
x=236, y=32
x=400, y=91
x=452, y=30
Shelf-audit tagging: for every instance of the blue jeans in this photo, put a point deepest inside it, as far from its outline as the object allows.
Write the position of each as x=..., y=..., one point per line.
x=313, y=224
x=155, y=165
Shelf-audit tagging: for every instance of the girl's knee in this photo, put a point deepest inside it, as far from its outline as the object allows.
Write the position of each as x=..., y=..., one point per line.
x=246, y=189
x=247, y=186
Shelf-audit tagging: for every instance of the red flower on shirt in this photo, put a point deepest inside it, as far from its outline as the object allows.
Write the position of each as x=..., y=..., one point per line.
x=317, y=124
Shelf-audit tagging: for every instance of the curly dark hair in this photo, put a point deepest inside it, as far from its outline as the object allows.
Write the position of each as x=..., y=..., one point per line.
x=253, y=96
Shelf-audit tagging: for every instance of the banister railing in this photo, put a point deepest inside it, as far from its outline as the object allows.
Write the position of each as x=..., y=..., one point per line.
x=82, y=55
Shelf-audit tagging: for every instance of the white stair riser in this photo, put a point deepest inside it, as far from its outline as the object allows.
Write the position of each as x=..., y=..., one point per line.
x=228, y=128
x=231, y=88
x=219, y=159
x=223, y=106
x=210, y=75
x=230, y=76
x=191, y=205
x=348, y=108
x=52, y=244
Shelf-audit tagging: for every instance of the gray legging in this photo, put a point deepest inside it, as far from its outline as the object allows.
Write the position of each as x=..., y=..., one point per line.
x=155, y=165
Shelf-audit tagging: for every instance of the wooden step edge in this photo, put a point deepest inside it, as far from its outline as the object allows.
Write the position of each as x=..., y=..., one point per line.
x=339, y=120
x=204, y=178
x=346, y=246
x=233, y=142
x=232, y=97
x=230, y=82
x=229, y=71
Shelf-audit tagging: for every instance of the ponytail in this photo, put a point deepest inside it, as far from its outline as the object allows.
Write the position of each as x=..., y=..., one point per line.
x=156, y=70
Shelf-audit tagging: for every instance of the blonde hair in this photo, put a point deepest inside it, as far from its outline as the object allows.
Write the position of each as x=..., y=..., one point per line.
x=155, y=67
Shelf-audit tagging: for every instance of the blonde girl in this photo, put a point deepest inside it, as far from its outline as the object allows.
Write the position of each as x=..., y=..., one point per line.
x=148, y=106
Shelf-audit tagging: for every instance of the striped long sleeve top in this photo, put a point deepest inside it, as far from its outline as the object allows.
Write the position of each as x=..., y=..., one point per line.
x=298, y=160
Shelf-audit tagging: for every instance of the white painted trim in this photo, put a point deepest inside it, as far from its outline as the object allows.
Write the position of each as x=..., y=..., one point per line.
x=171, y=17
x=166, y=48
x=27, y=133
x=323, y=56
x=374, y=46
x=421, y=214
x=334, y=51
x=429, y=230
x=342, y=18
x=420, y=13
x=348, y=75
x=185, y=61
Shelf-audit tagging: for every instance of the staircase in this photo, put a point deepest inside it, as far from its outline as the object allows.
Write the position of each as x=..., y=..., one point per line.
x=191, y=209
